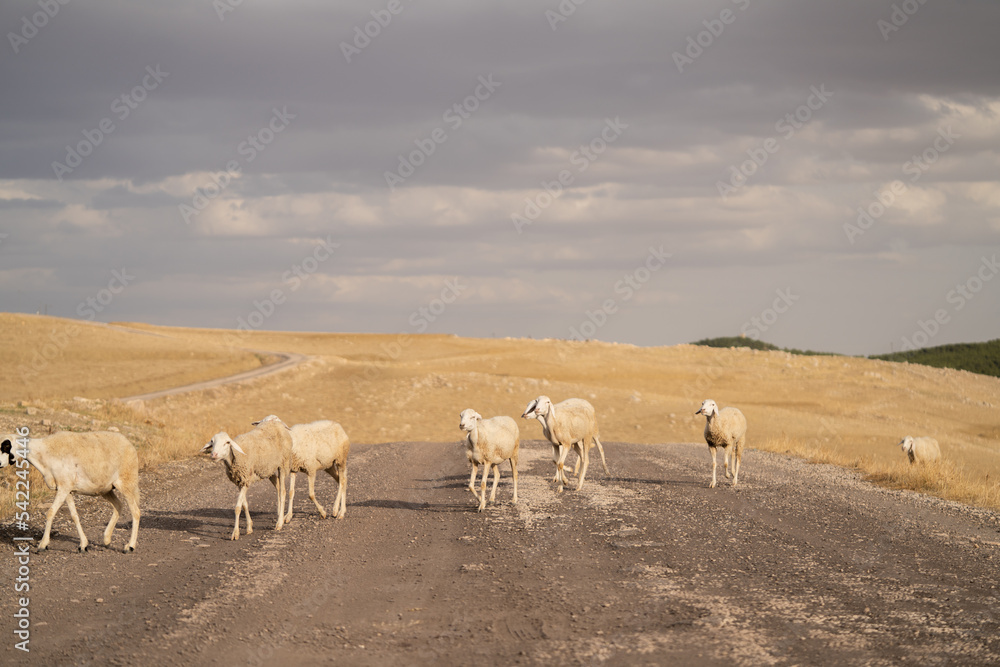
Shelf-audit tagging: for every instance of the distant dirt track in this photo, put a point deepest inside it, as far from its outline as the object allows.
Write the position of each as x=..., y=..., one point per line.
x=288, y=360
x=800, y=564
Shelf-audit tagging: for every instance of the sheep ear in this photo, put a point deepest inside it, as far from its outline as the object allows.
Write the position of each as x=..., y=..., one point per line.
x=207, y=448
x=237, y=447
x=256, y=423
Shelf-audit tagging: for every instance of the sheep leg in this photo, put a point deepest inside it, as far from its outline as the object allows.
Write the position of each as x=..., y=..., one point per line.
x=278, y=480
x=312, y=494
x=291, y=497
x=556, y=451
x=601, y=450
x=496, y=480
x=725, y=461
x=584, y=452
x=737, y=456
x=76, y=520
x=472, y=481
x=282, y=490
x=513, y=470
x=61, y=495
x=341, y=493
x=560, y=467
x=132, y=499
x=241, y=500
x=115, y=513
x=486, y=475
x=714, y=463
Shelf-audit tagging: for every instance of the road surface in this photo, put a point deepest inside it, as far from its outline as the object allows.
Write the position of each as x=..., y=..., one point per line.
x=801, y=564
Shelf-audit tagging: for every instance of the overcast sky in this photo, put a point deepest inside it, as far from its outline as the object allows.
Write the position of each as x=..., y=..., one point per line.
x=641, y=172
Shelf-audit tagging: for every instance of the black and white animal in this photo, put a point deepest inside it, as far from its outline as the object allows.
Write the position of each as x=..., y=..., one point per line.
x=91, y=464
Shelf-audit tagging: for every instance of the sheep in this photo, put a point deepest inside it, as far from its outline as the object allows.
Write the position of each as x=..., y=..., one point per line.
x=92, y=464
x=569, y=424
x=921, y=450
x=263, y=453
x=724, y=428
x=490, y=442
x=319, y=445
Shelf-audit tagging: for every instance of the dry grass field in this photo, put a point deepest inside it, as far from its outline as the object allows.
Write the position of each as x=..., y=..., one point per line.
x=386, y=388
x=51, y=358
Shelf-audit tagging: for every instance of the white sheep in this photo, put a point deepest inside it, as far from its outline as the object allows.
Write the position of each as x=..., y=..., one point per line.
x=921, y=450
x=319, y=445
x=571, y=424
x=490, y=442
x=724, y=428
x=263, y=453
x=92, y=464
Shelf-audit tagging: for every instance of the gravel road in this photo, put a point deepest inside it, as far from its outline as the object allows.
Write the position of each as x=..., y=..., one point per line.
x=801, y=564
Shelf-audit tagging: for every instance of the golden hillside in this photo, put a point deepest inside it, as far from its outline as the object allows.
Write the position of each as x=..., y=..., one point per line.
x=411, y=388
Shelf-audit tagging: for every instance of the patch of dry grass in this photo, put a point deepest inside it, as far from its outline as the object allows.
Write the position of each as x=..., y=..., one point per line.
x=48, y=357
x=946, y=479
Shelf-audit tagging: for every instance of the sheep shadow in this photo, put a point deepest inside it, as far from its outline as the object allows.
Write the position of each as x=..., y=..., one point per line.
x=187, y=521
x=448, y=478
x=206, y=522
x=682, y=483
x=654, y=482
x=414, y=506
x=454, y=485
x=58, y=537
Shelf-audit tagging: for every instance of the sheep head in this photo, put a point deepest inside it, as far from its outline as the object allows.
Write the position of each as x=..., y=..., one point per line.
x=538, y=408
x=270, y=418
x=7, y=451
x=906, y=444
x=469, y=419
x=221, y=447
x=708, y=408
